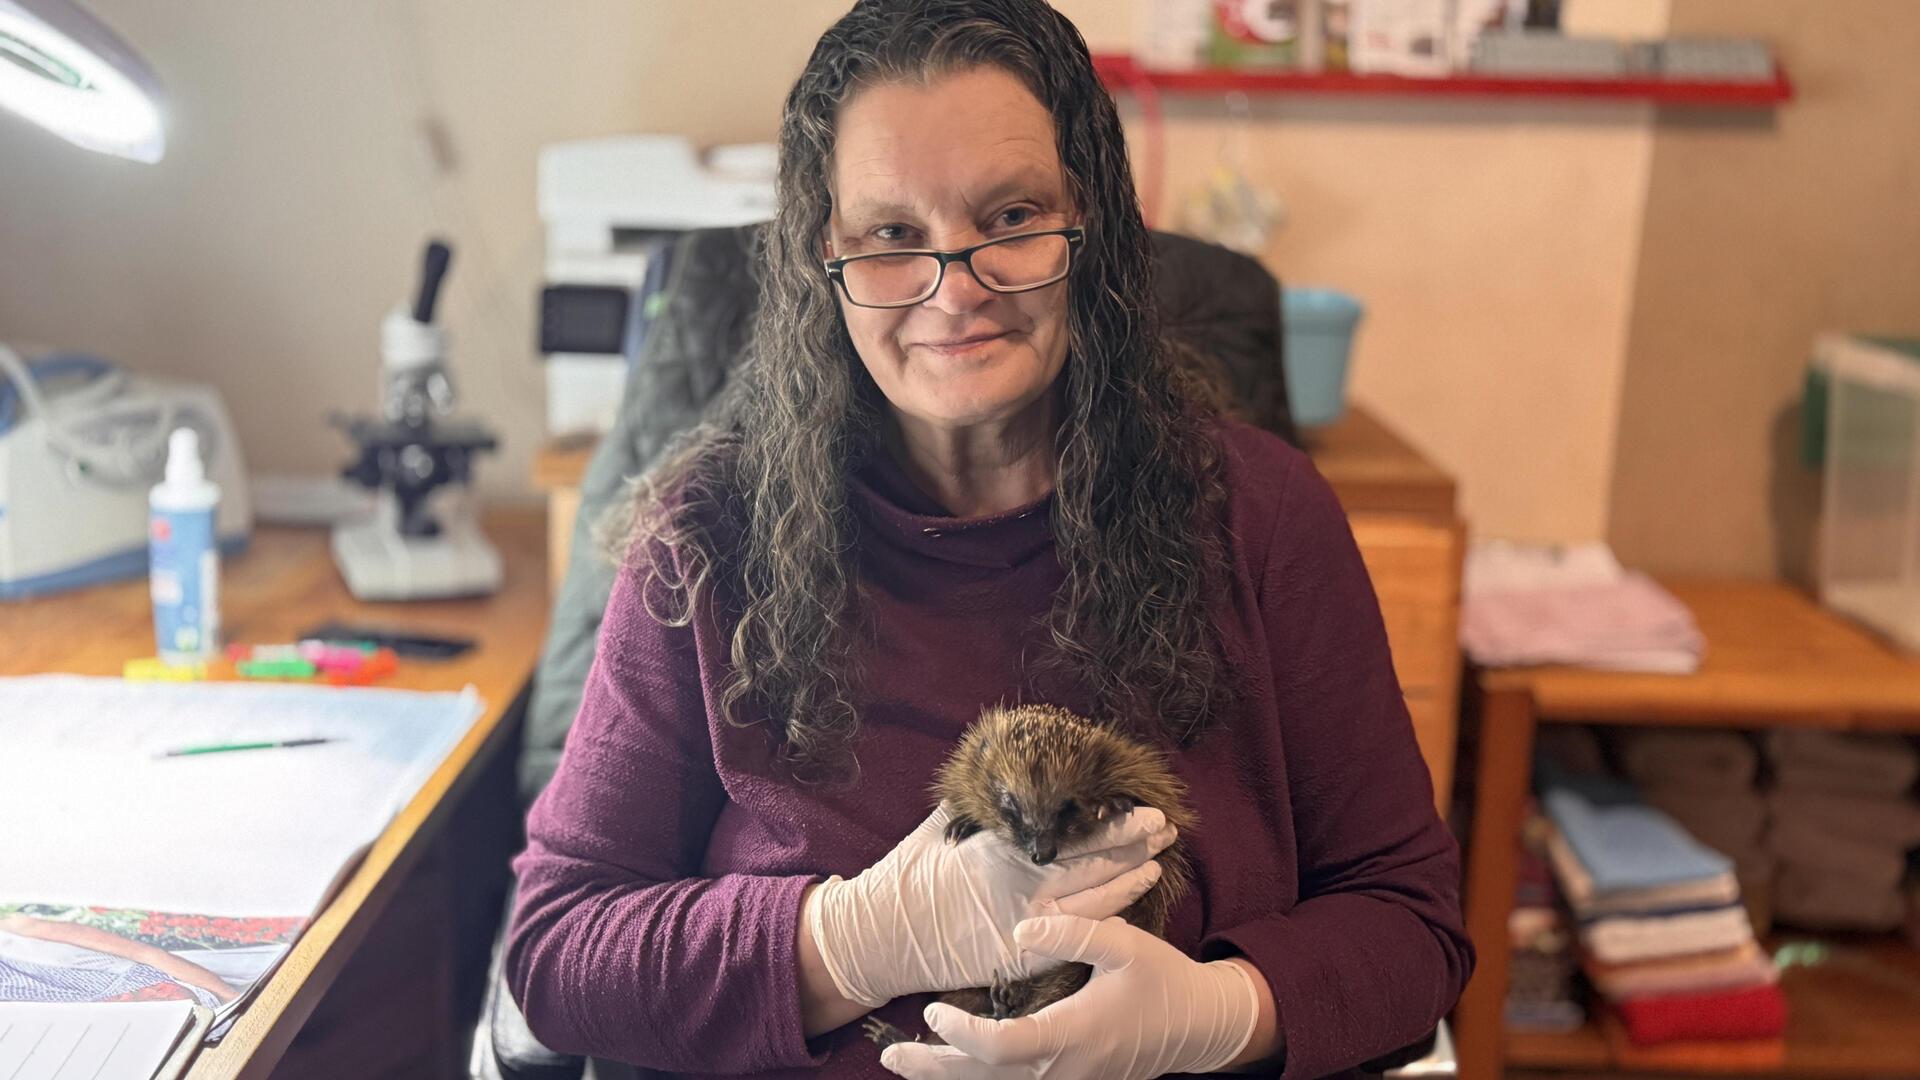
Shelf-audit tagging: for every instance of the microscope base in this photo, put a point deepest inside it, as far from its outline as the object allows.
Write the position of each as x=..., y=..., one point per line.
x=380, y=564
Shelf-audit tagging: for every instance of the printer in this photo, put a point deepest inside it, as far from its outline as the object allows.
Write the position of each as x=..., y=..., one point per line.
x=611, y=208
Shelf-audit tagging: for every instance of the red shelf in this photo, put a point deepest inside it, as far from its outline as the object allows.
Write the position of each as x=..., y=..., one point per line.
x=1120, y=72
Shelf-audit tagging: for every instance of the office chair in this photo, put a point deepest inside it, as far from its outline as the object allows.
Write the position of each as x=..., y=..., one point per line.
x=1223, y=305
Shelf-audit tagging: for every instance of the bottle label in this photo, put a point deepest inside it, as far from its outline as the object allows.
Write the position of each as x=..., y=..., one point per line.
x=185, y=575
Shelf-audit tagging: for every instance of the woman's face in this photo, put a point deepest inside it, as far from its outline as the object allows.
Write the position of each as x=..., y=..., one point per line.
x=967, y=158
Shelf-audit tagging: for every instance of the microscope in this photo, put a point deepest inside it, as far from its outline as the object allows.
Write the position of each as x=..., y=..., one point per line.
x=423, y=540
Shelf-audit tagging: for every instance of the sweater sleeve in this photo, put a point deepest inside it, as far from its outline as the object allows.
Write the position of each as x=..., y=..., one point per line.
x=1374, y=953
x=617, y=949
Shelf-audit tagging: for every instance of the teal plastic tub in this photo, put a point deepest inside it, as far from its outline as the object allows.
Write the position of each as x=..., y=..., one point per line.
x=1319, y=325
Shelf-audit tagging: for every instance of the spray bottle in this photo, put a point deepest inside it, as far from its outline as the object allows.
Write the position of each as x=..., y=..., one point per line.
x=184, y=562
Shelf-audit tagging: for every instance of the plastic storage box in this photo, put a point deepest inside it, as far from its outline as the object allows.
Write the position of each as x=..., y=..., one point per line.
x=1869, y=563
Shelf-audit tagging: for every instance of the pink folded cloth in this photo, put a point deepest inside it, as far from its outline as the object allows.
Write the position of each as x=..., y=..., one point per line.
x=1626, y=624
x=1718, y=762
x=1846, y=762
x=1729, y=969
x=1886, y=821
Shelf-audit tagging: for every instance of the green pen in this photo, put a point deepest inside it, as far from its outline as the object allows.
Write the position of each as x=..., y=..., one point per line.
x=221, y=748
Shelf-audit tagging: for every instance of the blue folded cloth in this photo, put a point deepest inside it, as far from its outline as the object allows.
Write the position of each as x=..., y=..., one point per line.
x=1624, y=843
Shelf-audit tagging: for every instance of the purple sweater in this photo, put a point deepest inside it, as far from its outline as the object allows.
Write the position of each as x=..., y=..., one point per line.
x=660, y=890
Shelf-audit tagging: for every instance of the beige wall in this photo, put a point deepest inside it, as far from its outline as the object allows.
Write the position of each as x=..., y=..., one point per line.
x=1494, y=243
x=1757, y=238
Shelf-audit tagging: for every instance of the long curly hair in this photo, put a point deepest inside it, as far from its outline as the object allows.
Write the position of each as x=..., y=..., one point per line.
x=751, y=506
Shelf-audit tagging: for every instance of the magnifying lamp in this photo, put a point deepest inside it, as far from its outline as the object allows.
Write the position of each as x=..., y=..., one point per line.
x=65, y=70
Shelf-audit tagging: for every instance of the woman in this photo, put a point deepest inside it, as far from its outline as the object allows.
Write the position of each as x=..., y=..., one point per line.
x=948, y=479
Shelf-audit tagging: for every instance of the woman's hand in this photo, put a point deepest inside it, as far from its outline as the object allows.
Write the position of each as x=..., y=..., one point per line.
x=934, y=916
x=1148, y=1010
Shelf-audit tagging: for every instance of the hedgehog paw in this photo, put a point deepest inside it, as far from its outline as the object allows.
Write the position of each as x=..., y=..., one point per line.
x=884, y=1034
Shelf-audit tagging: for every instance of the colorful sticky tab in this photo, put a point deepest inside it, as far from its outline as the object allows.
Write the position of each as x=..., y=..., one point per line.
x=154, y=669
x=295, y=668
x=375, y=665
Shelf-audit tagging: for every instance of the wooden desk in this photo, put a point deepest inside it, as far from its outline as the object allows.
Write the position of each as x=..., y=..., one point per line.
x=1401, y=507
x=285, y=583
x=1775, y=659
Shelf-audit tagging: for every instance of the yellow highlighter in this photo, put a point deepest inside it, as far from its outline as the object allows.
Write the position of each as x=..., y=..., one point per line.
x=154, y=669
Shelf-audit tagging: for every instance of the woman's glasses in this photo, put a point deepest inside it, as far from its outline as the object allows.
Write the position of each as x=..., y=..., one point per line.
x=1011, y=264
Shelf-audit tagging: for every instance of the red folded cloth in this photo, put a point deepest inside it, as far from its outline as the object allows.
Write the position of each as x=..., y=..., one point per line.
x=1758, y=1012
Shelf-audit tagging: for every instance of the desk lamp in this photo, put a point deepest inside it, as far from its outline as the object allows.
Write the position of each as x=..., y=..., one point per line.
x=64, y=70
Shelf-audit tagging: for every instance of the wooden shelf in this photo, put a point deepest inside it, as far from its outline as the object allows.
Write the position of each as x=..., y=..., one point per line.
x=1121, y=72
x=1844, y=1019
x=1775, y=658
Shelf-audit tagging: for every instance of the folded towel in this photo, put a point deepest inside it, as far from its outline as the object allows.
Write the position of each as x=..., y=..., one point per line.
x=1842, y=761
x=1627, y=624
x=1822, y=900
x=1629, y=845
x=1729, y=969
x=1807, y=847
x=1730, y=822
x=1698, y=761
x=1758, y=1012
x=1576, y=884
x=1623, y=940
x=1887, y=821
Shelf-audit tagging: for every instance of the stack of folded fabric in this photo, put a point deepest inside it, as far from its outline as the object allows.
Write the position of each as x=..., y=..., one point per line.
x=1541, y=604
x=1664, y=937
x=1841, y=821
x=1705, y=780
x=1540, y=964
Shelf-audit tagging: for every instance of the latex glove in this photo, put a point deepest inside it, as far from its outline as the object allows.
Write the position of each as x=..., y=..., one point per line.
x=1147, y=1010
x=935, y=916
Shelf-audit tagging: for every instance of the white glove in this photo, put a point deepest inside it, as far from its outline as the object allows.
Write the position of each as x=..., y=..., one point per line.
x=935, y=916
x=1148, y=1010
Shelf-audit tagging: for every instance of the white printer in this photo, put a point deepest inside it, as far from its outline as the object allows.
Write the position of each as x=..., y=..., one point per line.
x=609, y=205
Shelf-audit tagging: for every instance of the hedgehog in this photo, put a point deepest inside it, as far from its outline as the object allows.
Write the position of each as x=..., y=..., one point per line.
x=1044, y=778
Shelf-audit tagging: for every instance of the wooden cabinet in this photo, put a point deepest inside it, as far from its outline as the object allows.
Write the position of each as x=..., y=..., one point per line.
x=1402, y=509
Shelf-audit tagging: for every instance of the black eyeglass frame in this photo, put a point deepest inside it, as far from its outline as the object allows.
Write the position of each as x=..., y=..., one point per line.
x=1076, y=236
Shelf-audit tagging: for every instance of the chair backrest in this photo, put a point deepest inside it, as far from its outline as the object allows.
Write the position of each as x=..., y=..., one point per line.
x=1223, y=305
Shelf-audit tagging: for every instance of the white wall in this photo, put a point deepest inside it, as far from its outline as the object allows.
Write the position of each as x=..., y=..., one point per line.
x=1493, y=243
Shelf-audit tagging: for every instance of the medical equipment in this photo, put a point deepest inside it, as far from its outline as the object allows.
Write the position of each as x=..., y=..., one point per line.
x=81, y=442
x=423, y=539
x=608, y=205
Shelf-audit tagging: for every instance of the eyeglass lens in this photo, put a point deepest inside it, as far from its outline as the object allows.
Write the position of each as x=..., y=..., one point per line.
x=1013, y=264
